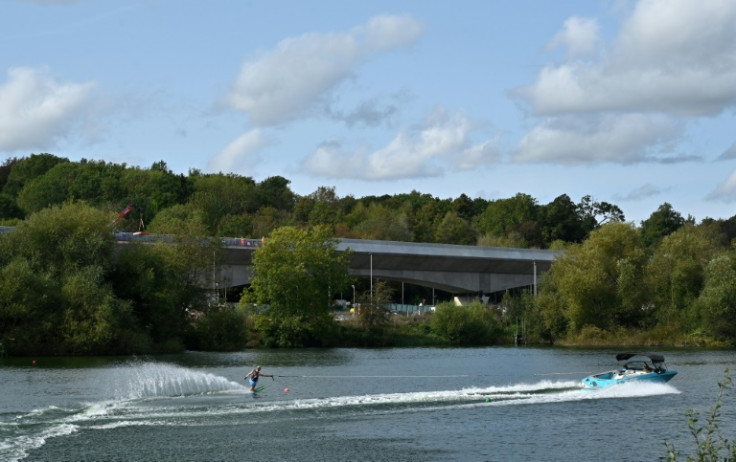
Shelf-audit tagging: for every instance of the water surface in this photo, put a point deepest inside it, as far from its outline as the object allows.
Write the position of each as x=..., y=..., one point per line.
x=420, y=404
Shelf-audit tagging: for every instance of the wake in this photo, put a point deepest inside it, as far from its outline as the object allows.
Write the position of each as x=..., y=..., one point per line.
x=149, y=393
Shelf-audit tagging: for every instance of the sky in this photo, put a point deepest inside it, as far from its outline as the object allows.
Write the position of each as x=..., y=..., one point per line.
x=629, y=102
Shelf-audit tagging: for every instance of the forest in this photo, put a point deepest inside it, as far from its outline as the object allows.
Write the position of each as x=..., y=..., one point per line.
x=64, y=289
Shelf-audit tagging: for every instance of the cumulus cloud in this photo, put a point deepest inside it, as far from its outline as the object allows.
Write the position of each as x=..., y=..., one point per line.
x=603, y=138
x=441, y=144
x=36, y=110
x=241, y=155
x=579, y=36
x=672, y=61
x=673, y=56
x=297, y=77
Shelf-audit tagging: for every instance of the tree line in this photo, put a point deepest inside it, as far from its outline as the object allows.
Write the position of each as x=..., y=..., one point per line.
x=237, y=206
x=65, y=289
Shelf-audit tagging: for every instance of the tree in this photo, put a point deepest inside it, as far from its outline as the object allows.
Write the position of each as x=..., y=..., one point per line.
x=29, y=168
x=325, y=209
x=561, y=221
x=514, y=217
x=717, y=302
x=676, y=272
x=661, y=223
x=382, y=223
x=165, y=283
x=466, y=325
x=49, y=189
x=374, y=315
x=219, y=196
x=295, y=273
x=597, y=281
x=55, y=287
x=274, y=192
x=589, y=212
x=455, y=230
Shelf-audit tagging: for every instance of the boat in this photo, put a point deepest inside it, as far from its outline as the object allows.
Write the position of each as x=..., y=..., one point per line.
x=646, y=367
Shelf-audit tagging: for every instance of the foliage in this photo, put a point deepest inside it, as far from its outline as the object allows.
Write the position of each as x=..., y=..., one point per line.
x=55, y=291
x=717, y=302
x=675, y=274
x=27, y=169
x=374, y=316
x=669, y=279
x=295, y=273
x=596, y=283
x=461, y=325
x=710, y=443
x=221, y=328
x=664, y=221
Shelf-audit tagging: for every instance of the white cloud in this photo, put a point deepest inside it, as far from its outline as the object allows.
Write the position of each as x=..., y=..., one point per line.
x=726, y=191
x=36, y=110
x=241, y=155
x=442, y=144
x=618, y=138
x=290, y=81
x=672, y=61
x=579, y=36
x=673, y=56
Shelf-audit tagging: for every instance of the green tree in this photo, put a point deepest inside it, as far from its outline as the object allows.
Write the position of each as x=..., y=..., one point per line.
x=29, y=168
x=295, y=273
x=219, y=196
x=166, y=284
x=374, y=315
x=274, y=192
x=51, y=188
x=455, y=230
x=661, y=223
x=382, y=223
x=516, y=218
x=717, y=302
x=596, y=214
x=153, y=190
x=561, y=221
x=595, y=281
x=675, y=274
x=466, y=325
x=55, y=287
x=9, y=208
x=181, y=220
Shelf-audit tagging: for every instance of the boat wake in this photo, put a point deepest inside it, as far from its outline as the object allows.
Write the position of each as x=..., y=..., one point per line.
x=148, y=394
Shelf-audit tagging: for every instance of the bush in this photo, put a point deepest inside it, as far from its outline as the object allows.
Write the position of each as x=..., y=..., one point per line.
x=471, y=325
x=710, y=443
x=222, y=328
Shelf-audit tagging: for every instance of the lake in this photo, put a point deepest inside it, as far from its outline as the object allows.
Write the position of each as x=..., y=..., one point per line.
x=414, y=404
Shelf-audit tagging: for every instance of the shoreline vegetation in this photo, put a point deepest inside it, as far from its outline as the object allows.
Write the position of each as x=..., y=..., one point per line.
x=67, y=288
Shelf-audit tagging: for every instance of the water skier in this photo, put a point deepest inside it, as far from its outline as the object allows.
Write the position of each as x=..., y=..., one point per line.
x=253, y=375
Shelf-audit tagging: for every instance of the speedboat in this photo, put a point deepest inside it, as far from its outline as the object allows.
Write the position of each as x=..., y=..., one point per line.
x=648, y=367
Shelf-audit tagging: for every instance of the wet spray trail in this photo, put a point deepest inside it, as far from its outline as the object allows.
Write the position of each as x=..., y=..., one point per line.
x=143, y=394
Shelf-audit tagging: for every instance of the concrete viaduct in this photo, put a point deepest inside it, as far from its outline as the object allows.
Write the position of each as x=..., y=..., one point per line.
x=457, y=269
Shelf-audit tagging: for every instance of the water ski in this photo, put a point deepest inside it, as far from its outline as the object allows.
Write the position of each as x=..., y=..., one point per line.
x=258, y=389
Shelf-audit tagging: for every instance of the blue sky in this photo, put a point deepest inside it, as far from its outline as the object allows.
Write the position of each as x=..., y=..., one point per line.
x=630, y=102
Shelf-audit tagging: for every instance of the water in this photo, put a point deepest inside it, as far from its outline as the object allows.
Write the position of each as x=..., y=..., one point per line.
x=495, y=404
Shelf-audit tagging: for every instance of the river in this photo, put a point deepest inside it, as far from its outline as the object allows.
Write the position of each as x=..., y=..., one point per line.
x=414, y=404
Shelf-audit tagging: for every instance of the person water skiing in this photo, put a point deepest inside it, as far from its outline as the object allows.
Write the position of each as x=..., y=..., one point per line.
x=253, y=375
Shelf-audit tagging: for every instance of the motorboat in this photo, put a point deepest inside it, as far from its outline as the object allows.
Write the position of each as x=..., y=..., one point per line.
x=648, y=367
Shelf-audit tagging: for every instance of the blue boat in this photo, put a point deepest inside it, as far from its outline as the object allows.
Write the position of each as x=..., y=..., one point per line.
x=647, y=367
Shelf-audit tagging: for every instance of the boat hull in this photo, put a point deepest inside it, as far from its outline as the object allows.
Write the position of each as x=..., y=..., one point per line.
x=611, y=378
